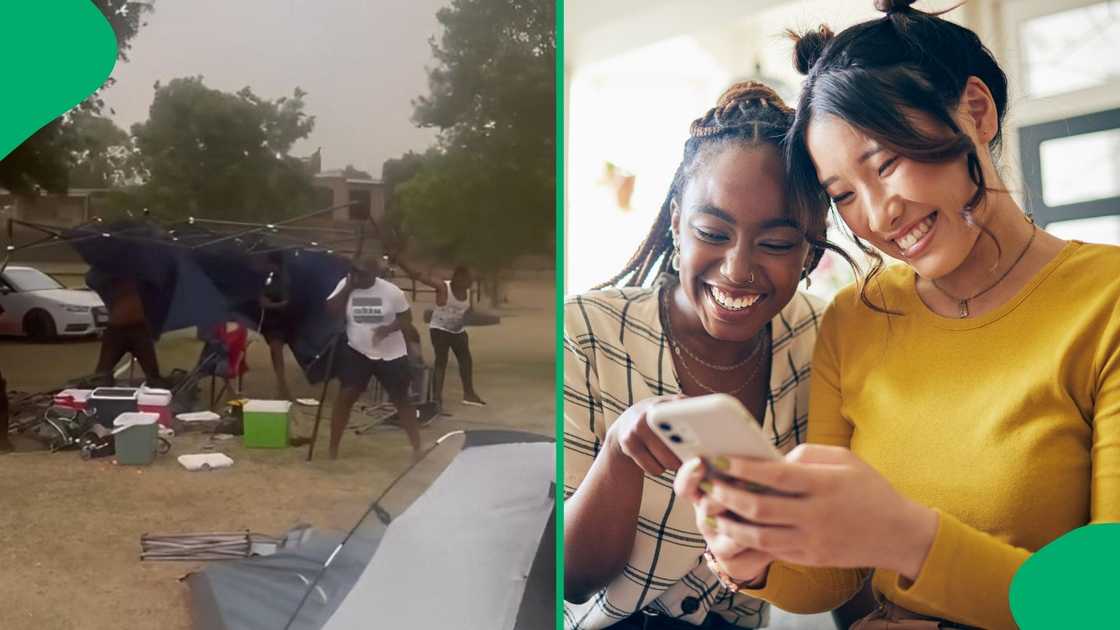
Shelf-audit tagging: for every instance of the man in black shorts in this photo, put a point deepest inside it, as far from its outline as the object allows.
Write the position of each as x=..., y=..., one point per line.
x=375, y=311
x=279, y=318
x=127, y=332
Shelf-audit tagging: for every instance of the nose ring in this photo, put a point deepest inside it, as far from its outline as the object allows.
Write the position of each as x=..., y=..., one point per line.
x=723, y=271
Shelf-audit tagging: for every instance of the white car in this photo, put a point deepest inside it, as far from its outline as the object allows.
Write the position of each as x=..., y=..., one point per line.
x=36, y=305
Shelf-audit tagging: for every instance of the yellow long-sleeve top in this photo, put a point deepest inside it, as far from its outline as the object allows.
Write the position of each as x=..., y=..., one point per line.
x=1007, y=424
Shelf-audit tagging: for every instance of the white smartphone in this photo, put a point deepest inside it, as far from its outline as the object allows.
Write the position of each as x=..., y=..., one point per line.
x=709, y=426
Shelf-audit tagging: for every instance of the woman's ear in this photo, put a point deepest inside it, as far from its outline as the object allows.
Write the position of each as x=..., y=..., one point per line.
x=978, y=109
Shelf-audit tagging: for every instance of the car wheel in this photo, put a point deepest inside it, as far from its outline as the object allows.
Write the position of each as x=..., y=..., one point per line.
x=39, y=325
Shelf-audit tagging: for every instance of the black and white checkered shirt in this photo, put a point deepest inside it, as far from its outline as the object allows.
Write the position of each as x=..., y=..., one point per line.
x=615, y=354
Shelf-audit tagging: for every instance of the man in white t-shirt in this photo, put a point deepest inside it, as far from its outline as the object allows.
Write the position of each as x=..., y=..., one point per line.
x=375, y=311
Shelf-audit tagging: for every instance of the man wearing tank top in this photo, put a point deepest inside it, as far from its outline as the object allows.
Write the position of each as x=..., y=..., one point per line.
x=448, y=328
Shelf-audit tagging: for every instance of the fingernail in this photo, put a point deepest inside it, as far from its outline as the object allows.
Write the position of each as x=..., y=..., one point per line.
x=706, y=487
x=721, y=463
x=710, y=521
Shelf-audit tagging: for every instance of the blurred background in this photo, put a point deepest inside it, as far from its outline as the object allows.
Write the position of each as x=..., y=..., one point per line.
x=638, y=71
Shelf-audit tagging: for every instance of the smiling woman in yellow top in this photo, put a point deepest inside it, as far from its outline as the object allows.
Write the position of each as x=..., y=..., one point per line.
x=965, y=405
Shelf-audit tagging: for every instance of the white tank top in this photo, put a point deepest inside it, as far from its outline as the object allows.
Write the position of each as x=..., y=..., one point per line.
x=449, y=317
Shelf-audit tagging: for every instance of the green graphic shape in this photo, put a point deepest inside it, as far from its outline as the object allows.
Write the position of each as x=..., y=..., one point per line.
x=55, y=53
x=1072, y=582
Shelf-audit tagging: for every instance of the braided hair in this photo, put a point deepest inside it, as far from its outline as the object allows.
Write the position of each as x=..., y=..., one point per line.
x=873, y=75
x=747, y=114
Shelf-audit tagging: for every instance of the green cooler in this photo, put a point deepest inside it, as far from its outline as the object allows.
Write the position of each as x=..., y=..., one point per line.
x=267, y=423
x=134, y=437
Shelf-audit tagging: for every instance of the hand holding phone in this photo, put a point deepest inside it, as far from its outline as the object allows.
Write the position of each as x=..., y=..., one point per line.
x=631, y=436
x=710, y=426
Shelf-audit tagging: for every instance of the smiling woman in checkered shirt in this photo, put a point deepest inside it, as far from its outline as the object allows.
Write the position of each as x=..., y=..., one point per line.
x=729, y=248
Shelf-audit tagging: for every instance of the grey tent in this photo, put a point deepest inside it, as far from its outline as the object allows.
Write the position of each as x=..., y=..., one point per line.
x=464, y=539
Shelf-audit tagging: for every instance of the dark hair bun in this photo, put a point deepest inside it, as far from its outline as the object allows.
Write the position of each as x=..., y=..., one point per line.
x=892, y=6
x=809, y=46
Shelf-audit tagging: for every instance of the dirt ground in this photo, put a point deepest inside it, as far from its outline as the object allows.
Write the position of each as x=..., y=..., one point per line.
x=70, y=529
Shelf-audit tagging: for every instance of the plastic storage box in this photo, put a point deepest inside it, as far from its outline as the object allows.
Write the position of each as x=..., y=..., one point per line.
x=267, y=423
x=134, y=437
x=109, y=402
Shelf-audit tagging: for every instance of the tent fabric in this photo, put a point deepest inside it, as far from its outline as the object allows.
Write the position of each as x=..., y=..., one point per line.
x=173, y=288
x=264, y=593
x=190, y=277
x=538, y=605
x=313, y=275
x=458, y=557
x=473, y=550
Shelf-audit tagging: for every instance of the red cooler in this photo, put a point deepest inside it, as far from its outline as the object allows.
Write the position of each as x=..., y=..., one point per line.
x=157, y=401
x=73, y=398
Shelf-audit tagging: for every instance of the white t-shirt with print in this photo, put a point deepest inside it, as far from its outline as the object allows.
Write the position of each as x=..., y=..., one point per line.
x=369, y=309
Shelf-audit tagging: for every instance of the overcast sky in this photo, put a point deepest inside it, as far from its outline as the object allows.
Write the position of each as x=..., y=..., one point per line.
x=361, y=61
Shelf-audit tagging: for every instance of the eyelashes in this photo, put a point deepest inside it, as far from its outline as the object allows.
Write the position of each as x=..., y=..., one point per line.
x=886, y=166
x=710, y=237
x=885, y=169
x=778, y=247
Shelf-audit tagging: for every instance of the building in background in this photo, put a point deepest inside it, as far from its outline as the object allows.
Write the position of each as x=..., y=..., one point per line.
x=74, y=207
x=339, y=187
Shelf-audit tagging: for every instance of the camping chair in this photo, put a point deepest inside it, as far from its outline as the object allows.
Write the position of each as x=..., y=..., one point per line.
x=215, y=396
x=224, y=357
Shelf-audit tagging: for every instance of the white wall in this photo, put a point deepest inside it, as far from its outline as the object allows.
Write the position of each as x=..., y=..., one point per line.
x=639, y=73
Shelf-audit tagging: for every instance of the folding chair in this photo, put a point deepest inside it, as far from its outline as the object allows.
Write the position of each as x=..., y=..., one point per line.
x=216, y=361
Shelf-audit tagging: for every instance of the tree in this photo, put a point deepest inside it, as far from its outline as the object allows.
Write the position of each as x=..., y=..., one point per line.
x=496, y=76
x=43, y=161
x=454, y=214
x=101, y=154
x=211, y=153
x=397, y=171
x=487, y=195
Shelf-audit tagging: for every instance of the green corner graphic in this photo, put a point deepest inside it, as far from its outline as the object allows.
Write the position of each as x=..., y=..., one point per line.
x=1072, y=582
x=56, y=54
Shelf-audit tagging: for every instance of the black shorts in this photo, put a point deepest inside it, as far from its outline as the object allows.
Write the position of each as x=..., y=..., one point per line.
x=280, y=324
x=354, y=370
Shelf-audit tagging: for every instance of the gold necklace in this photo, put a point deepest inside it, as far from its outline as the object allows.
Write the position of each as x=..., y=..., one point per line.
x=963, y=302
x=723, y=368
x=674, y=345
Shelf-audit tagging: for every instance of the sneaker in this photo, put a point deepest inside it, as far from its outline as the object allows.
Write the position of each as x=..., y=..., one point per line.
x=474, y=403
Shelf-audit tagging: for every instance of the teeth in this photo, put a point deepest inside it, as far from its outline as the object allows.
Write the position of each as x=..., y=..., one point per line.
x=732, y=303
x=915, y=235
